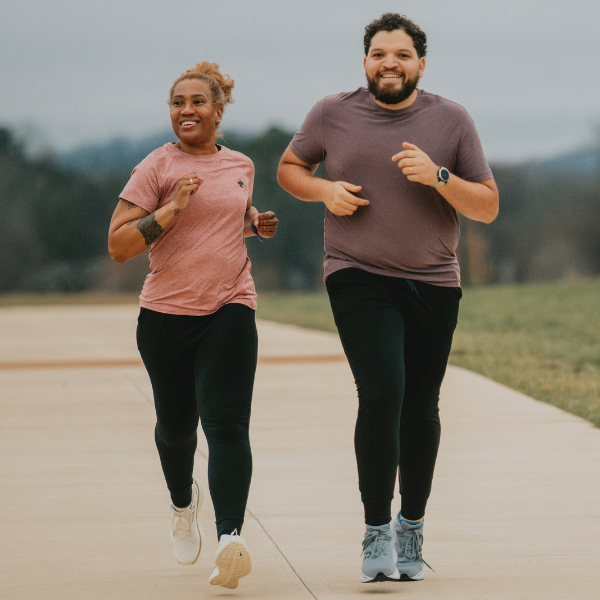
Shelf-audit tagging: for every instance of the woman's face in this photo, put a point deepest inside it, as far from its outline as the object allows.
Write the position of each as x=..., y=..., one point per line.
x=193, y=115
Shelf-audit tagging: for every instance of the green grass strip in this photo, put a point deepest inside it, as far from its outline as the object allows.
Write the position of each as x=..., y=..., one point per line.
x=540, y=339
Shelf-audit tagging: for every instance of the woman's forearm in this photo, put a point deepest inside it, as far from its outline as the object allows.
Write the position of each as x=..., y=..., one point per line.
x=248, y=221
x=133, y=237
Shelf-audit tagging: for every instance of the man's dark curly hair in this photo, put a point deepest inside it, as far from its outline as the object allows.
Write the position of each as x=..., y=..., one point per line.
x=392, y=21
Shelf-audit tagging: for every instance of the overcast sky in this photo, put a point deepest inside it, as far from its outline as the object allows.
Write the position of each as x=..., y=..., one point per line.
x=75, y=71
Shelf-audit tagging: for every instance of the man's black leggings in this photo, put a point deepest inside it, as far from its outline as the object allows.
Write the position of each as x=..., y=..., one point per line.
x=203, y=368
x=397, y=335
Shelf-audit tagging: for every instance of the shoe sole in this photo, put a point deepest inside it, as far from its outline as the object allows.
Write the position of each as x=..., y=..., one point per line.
x=199, y=502
x=233, y=562
x=406, y=577
x=379, y=578
x=419, y=577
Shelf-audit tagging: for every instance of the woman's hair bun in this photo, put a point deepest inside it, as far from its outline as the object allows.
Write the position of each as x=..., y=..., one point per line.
x=212, y=70
x=220, y=85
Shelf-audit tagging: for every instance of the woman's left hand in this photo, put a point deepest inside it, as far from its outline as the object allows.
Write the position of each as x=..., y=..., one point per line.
x=265, y=223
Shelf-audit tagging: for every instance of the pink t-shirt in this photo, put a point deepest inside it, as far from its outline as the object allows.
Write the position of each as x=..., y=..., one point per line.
x=199, y=263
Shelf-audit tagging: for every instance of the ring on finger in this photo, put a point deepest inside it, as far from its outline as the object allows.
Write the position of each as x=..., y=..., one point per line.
x=192, y=181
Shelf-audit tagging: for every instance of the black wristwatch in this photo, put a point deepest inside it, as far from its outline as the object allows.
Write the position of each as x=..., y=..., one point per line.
x=443, y=177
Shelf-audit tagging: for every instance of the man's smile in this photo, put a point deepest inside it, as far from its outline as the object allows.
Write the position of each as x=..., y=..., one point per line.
x=390, y=76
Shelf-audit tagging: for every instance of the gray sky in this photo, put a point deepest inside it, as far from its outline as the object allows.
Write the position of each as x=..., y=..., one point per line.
x=75, y=71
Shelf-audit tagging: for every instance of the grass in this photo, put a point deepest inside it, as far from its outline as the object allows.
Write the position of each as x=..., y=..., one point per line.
x=302, y=309
x=541, y=339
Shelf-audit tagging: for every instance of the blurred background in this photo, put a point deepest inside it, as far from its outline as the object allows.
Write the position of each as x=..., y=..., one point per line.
x=84, y=100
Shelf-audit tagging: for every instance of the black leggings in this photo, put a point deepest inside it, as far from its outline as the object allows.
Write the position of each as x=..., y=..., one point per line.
x=397, y=335
x=203, y=368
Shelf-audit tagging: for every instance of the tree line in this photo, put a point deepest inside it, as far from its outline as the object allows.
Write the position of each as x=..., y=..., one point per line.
x=57, y=211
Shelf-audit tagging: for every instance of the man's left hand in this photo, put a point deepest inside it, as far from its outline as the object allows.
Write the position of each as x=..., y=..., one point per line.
x=416, y=165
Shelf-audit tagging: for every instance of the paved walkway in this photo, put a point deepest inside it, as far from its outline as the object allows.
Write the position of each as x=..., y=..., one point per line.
x=515, y=510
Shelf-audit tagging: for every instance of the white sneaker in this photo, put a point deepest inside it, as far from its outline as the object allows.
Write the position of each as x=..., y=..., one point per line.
x=187, y=537
x=232, y=561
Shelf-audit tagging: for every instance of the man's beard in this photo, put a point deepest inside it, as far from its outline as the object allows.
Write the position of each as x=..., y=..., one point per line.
x=393, y=96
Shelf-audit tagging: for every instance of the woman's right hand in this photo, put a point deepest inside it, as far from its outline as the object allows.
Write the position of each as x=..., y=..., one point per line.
x=186, y=185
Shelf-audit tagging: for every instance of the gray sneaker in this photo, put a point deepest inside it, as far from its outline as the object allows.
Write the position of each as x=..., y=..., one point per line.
x=379, y=562
x=408, y=543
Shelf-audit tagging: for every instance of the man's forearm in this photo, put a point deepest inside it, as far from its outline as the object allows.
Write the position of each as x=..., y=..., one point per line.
x=301, y=183
x=477, y=201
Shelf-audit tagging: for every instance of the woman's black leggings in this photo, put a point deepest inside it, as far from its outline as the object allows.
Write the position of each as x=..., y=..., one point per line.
x=397, y=335
x=203, y=368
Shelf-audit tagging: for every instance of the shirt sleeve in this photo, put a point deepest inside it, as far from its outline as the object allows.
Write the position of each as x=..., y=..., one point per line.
x=308, y=144
x=143, y=187
x=471, y=163
x=250, y=178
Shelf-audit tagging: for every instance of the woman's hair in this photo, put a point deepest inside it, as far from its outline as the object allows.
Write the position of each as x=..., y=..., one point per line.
x=219, y=85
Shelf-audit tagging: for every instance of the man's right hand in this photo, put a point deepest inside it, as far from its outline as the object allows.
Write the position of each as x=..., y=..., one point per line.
x=341, y=200
x=298, y=178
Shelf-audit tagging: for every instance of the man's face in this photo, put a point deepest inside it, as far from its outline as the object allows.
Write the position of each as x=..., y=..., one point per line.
x=392, y=67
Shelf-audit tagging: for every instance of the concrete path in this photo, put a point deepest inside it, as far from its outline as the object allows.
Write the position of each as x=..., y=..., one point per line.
x=515, y=510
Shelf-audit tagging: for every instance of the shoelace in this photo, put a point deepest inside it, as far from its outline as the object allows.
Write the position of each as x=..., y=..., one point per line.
x=181, y=526
x=413, y=544
x=379, y=540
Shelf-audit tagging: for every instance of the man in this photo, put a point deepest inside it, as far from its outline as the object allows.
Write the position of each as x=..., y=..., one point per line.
x=401, y=163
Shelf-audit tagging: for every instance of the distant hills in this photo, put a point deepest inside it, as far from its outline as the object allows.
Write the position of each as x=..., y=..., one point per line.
x=578, y=162
x=120, y=155
x=115, y=156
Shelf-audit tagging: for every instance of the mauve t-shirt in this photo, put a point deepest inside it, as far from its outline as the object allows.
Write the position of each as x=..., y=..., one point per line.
x=408, y=229
x=200, y=262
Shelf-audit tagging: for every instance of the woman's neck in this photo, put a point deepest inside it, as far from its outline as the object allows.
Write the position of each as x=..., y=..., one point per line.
x=204, y=148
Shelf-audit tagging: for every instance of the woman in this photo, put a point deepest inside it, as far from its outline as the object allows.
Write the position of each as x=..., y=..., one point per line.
x=191, y=202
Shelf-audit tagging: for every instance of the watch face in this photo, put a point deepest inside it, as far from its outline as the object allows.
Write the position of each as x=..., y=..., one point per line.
x=444, y=174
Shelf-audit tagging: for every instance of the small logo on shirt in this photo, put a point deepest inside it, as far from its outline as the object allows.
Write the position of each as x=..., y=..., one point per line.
x=241, y=183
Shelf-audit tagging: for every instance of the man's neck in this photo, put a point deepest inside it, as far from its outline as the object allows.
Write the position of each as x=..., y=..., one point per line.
x=404, y=104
